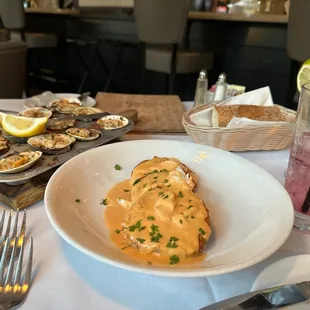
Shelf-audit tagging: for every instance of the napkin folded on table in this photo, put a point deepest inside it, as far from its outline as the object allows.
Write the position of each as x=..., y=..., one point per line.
x=259, y=97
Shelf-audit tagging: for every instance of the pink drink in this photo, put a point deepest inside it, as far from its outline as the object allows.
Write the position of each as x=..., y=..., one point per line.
x=297, y=181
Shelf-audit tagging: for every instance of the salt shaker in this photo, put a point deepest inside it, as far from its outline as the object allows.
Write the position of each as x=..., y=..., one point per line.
x=221, y=88
x=201, y=88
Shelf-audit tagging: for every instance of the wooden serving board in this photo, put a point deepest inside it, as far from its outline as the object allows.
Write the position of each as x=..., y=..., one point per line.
x=156, y=113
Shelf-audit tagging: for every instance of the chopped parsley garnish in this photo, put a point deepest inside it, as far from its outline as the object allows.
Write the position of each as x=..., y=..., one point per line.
x=136, y=226
x=144, y=186
x=174, y=259
x=165, y=180
x=169, y=185
x=154, y=171
x=160, y=193
x=190, y=206
x=180, y=194
x=172, y=242
x=136, y=182
x=118, y=167
x=155, y=234
x=190, y=201
x=117, y=231
x=155, y=177
x=193, y=217
x=77, y=200
x=151, y=218
x=149, y=263
x=140, y=240
x=202, y=231
x=126, y=190
x=163, y=170
x=165, y=197
x=104, y=202
x=181, y=221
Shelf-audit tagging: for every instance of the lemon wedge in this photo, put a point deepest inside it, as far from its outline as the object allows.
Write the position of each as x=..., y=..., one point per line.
x=23, y=127
x=303, y=76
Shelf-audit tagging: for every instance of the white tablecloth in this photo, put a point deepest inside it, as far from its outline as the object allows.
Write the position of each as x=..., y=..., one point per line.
x=66, y=279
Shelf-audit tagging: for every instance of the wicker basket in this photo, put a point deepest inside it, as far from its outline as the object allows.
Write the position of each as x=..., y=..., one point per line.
x=249, y=138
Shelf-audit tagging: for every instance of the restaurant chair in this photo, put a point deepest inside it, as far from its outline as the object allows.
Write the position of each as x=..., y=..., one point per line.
x=13, y=17
x=13, y=58
x=298, y=43
x=161, y=26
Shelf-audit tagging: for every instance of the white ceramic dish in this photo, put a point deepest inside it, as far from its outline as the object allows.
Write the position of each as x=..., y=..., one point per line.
x=37, y=154
x=251, y=213
x=288, y=270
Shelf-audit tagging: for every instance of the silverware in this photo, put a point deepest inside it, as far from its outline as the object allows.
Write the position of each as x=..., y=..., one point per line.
x=274, y=298
x=12, y=237
x=14, y=283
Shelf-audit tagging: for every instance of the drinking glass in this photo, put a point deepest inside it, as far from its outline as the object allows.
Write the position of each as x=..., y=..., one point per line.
x=297, y=182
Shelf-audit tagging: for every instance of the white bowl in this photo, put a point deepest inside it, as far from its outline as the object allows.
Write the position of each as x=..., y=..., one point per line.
x=251, y=213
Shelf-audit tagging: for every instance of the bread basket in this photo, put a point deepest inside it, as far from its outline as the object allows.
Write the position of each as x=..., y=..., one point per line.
x=249, y=138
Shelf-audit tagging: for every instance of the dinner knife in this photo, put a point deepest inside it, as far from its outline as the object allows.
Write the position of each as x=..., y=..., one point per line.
x=281, y=297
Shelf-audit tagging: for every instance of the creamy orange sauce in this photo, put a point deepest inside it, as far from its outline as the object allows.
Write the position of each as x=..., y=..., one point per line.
x=156, y=217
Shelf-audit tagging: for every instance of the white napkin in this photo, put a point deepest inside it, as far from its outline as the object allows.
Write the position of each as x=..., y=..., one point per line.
x=260, y=97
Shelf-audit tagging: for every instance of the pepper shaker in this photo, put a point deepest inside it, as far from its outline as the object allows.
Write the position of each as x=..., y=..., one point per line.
x=221, y=88
x=201, y=88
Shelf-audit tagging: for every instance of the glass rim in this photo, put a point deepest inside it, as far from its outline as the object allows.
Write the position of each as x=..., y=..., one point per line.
x=306, y=86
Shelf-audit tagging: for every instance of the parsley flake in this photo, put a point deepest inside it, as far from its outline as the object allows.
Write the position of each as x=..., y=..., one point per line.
x=151, y=218
x=104, y=202
x=165, y=197
x=181, y=221
x=160, y=193
x=77, y=200
x=149, y=263
x=117, y=167
x=165, y=181
x=140, y=240
x=155, y=178
x=202, y=231
x=169, y=185
x=193, y=217
x=136, y=226
x=174, y=259
x=172, y=242
x=190, y=206
x=126, y=190
x=136, y=182
x=180, y=194
x=163, y=170
x=144, y=186
x=190, y=201
x=155, y=234
x=117, y=231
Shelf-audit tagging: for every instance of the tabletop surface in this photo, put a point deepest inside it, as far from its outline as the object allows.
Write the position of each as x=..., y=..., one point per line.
x=65, y=279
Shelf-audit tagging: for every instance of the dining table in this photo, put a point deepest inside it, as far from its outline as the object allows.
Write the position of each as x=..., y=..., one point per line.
x=66, y=279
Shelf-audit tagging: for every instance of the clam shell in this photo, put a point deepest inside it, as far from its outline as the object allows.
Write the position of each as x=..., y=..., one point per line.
x=36, y=113
x=3, y=147
x=87, y=111
x=51, y=143
x=79, y=132
x=65, y=105
x=111, y=122
x=61, y=124
x=34, y=157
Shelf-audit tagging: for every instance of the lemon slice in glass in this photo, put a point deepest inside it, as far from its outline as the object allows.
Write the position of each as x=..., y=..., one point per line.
x=23, y=127
x=303, y=76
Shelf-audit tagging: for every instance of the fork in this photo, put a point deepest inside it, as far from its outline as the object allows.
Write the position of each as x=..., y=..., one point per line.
x=15, y=285
x=12, y=239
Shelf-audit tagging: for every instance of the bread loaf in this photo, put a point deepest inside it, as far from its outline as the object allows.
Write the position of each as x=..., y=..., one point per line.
x=222, y=115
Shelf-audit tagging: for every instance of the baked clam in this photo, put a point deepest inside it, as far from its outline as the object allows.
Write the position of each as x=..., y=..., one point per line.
x=111, y=122
x=84, y=134
x=65, y=106
x=36, y=112
x=19, y=162
x=87, y=111
x=61, y=124
x=52, y=143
